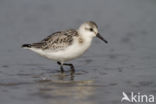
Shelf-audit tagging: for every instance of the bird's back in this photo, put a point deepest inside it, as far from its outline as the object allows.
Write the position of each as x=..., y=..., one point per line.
x=56, y=41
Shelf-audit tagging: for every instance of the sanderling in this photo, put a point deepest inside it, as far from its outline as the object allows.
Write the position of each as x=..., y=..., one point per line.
x=66, y=45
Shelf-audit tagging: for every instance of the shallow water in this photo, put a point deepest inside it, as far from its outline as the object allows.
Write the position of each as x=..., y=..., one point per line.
x=126, y=64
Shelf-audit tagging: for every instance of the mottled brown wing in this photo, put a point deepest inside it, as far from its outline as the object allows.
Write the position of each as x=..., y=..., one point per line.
x=57, y=41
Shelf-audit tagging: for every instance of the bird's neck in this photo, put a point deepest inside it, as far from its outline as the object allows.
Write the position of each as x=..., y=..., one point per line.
x=85, y=41
x=85, y=37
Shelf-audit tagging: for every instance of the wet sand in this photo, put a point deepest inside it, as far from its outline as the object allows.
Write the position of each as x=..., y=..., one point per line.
x=126, y=64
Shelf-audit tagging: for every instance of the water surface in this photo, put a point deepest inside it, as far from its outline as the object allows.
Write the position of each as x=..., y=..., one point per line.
x=127, y=63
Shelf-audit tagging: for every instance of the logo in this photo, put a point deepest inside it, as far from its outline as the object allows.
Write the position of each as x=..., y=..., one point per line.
x=137, y=98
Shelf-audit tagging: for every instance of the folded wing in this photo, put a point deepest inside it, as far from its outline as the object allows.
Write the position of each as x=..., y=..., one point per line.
x=57, y=41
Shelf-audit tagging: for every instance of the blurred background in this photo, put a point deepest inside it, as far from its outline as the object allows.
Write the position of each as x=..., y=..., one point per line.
x=126, y=64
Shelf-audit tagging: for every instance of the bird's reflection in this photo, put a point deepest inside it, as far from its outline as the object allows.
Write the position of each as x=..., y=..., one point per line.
x=66, y=76
x=63, y=89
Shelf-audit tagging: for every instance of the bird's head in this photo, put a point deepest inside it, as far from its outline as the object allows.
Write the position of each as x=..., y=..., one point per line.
x=89, y=30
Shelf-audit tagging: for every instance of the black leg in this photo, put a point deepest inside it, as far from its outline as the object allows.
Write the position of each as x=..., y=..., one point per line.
x=61, y=66
x=71, y=66
x=58, y=63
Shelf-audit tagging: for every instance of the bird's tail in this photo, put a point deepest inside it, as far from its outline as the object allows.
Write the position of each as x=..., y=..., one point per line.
x=26, y=46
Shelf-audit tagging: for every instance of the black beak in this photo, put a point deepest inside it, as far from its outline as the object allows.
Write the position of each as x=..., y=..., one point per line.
x=100, y=37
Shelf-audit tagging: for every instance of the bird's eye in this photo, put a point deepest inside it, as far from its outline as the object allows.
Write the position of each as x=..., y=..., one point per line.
x=91, y=29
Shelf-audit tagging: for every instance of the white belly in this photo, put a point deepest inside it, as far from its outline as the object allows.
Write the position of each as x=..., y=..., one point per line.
x=67, y=54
